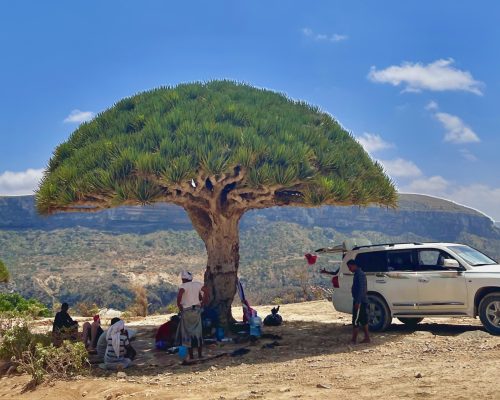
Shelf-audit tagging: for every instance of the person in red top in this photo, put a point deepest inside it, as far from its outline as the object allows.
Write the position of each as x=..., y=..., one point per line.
x=167, y=333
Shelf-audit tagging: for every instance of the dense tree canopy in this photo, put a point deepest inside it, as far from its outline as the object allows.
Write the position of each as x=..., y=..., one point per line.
x=151, y=146
x=217, y=149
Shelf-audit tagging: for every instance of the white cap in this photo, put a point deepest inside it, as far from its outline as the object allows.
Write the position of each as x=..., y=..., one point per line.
x=186, y=276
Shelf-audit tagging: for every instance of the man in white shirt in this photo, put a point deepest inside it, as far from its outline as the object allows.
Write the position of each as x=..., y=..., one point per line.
x=191, y=297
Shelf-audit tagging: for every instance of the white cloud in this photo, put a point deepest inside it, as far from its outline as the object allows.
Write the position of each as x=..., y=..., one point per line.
x=338, y=38
x=456, y=130
x=432, y=106
x=481, y=197
x=401, y=168
x=468, y=155
x=77, y=116
x=438, y=76
x=308, y=32
x=20, y=183
x=435, y=185
x=372, y=142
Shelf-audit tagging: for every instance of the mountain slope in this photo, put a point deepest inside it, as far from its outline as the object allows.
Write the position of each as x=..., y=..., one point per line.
x=96, y=257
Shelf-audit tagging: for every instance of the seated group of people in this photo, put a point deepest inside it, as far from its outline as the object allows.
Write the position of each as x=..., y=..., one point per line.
x=112, y=346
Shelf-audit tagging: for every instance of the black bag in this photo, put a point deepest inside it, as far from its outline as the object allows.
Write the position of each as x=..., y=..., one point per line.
x=273, y=319
x=130, y=352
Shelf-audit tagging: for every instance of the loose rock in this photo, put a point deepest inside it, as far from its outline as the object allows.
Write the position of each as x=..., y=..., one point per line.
x=323, y=386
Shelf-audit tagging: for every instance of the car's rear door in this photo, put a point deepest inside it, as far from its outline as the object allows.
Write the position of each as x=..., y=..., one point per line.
x=402, y=281
x=392, y=275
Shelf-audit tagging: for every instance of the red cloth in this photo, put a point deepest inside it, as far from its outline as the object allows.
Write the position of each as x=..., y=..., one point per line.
x=166, y=331
x=248, y=312
x=311, y=259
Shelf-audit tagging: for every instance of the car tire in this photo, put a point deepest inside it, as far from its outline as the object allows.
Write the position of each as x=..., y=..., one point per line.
x=489, y=313
x=411, y=322
x=379, y=315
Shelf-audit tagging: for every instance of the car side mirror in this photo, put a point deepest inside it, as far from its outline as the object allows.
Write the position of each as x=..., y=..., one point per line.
x=449, y=263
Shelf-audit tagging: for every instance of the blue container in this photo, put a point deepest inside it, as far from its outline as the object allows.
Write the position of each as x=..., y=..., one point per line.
x=219, y=333
x=255, y=326
x=183, y=352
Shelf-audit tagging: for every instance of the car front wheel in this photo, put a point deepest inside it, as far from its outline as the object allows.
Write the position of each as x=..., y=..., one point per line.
x=379, y=315
x=489, y=312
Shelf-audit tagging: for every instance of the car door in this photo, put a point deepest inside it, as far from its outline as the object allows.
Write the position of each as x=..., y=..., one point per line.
x=440, y=290
x=396, y=282
x=401, y=281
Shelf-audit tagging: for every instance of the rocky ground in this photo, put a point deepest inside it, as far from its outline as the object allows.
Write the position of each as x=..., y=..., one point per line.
x=446, y=359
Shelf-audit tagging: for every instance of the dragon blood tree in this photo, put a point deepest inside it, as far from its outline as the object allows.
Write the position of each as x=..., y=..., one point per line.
x=217, y=149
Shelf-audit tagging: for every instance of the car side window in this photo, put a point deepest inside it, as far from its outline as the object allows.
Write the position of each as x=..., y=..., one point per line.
x=375, y=261
x=432, y=259
x=400, y=260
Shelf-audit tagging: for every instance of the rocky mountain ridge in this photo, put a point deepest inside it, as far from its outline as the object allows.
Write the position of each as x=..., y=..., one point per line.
x=99, y=257
x=422, y=215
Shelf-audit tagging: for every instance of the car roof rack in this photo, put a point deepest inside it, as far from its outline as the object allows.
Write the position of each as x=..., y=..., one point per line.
x=385, y=244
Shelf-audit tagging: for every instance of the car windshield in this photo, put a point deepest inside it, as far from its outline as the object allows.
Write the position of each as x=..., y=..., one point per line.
x=472, y=256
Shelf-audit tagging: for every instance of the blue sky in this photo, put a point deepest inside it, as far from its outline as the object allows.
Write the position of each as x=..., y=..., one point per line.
x=417, y=82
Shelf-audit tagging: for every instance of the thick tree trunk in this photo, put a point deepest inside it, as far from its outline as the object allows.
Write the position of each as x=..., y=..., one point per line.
x=221, y=237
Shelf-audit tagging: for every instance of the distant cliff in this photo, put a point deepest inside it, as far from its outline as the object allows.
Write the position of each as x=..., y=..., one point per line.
x=417, y=214
x=97, y=257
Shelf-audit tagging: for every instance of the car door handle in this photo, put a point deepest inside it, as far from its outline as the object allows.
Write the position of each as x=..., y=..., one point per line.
x=423, y=280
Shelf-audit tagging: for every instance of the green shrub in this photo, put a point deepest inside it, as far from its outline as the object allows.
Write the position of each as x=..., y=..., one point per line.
x=140, y=306
x=87, y=309
x=277, y=300
x=4, y=273
x=18, y=340
x=14, y=302
x=49, y=362
x=36, y=355
x=172, y=308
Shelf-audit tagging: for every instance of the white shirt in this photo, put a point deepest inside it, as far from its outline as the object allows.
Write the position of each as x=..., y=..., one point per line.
x=191, y=295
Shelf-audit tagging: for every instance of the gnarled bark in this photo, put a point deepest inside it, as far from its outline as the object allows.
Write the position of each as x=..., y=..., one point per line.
x=220, y=233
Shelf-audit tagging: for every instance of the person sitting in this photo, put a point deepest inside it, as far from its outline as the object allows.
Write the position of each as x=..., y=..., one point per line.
x=91, y=333
x=119, y=353
x=102, y=343
x=167, y=333
x=64, y=327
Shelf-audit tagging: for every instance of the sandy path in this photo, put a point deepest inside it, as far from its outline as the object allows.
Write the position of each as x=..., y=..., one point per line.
x=456, y=359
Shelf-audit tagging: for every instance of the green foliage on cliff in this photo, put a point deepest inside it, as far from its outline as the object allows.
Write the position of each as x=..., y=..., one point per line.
x=14, y=302
x=4, y=273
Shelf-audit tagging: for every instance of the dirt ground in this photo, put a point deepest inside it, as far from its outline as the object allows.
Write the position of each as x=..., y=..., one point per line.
x=443, y=358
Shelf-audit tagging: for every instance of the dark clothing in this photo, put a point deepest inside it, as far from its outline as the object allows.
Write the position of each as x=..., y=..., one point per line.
x=359, y=287
x=359, y=316
x=62, y=320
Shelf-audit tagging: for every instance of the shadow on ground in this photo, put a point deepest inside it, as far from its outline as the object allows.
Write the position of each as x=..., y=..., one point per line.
x=300, y=339
x=440, y=329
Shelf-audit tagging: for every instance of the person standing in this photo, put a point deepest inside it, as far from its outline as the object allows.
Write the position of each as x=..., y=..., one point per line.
x=191, y=297
x=360, y=302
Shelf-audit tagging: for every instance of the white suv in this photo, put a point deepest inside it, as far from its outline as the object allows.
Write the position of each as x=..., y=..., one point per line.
x=411, y=281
